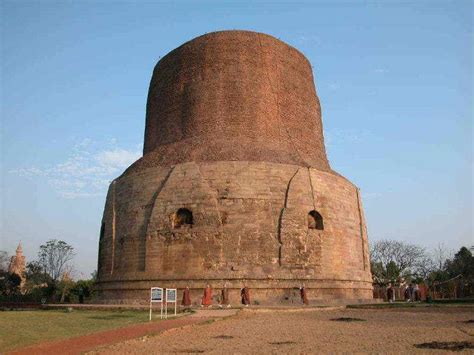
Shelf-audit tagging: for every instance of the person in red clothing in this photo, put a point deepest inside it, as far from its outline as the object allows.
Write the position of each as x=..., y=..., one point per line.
x=186, y=302
x=207, y=298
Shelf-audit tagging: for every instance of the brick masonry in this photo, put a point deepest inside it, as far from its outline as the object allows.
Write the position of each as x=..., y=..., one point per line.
x=233, y=135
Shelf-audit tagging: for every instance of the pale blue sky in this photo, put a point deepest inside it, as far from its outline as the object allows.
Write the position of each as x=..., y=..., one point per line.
x=395, y=81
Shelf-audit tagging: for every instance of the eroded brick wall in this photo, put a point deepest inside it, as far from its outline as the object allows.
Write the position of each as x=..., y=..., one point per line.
x=250, y=225
x=234, y=95
x=234, y=139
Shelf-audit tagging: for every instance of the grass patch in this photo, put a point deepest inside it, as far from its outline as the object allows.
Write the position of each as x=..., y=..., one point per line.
x=456, y=301
x=22, y=328
x=387, y=305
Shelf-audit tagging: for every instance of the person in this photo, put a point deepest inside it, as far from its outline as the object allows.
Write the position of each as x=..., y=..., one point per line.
x=406, y=294
x=225, y=297
x=411, y=292
x=417, y=295
x=186, y=302
x=245, y=294
x=304, y=298
x=390, y=293
x=207, y=298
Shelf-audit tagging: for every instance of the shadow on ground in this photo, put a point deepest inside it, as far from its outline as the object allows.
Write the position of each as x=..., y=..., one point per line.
x=448, y=345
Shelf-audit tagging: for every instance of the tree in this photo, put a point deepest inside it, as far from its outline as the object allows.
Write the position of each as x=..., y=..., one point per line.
x=392, y=271
x=9, y=283
x=35, y=276
x=84, y=288
x=440, y=255
x=393, y=259
x=55, y=258
x=38, y=284
x=4, y=260
x=64, y=286
x=461, y=264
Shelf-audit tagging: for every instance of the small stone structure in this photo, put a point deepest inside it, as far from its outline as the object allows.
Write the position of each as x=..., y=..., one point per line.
x=234, y=184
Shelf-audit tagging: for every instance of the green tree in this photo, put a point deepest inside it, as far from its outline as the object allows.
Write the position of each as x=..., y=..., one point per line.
x=38, y=283
x=35, y=275
x=461, y=264
x=392, y=271
x=9, y=283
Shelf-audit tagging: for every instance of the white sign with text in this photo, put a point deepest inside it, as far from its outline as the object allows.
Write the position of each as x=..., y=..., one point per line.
x=156, y=296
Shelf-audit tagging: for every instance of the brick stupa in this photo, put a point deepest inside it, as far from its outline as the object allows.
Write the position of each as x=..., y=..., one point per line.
x=234, y=185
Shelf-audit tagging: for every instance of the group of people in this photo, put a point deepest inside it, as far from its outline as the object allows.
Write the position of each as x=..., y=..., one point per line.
x=411, y=293
x=206, y=300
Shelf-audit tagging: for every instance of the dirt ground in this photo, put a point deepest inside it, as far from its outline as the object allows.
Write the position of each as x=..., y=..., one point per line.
x=311, y=331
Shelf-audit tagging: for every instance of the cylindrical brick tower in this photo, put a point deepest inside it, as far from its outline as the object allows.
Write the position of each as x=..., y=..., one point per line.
x=234, y=185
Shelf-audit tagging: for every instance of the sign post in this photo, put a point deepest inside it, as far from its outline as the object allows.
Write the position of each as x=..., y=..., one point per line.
x=156, y=296
x=171, y=294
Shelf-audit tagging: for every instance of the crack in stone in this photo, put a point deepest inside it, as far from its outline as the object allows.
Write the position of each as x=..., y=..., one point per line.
x=152, y=209
x=281, y=217
x=157, y=193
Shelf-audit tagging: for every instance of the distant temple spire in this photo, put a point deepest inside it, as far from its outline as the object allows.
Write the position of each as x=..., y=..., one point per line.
x=18, y=264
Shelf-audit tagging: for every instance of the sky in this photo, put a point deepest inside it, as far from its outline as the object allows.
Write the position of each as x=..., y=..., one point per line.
x=395, y=80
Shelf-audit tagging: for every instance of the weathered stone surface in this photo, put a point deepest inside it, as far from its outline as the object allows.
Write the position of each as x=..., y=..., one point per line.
x=234, y=185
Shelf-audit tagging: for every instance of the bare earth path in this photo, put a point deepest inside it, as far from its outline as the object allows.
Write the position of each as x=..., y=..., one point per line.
x=89, y=342
x=311, y=331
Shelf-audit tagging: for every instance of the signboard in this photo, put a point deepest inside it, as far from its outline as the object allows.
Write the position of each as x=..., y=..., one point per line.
x=170, y=298
x=170, y=295
x=156, y=294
